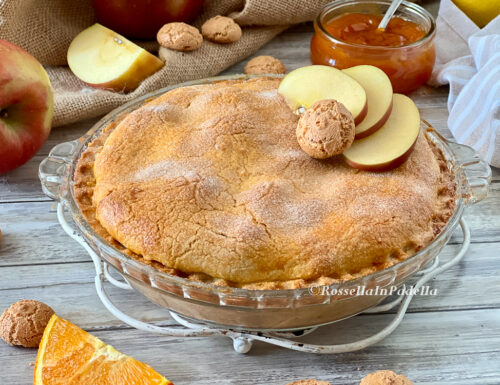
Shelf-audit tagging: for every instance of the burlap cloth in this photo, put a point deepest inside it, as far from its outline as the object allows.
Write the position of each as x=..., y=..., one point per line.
x=45, y=28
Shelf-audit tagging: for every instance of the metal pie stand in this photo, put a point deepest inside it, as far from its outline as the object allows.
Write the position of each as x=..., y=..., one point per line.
x=242, y=340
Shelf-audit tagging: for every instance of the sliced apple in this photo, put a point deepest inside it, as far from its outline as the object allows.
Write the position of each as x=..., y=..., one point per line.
x=378, y=89
x=392, y=144
x=307, y=85
x=104, y=59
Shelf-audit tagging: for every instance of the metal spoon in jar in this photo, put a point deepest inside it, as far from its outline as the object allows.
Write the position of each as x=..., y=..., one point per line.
x=390, y=12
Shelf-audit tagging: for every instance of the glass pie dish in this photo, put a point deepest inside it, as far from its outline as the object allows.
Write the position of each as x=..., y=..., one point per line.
x=244, y=309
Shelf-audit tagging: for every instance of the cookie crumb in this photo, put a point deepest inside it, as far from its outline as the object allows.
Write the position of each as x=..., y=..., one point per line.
x=264, y=65
x=221, y=29
x=179, y=37
x=385, y=377
x=309, y=382
x=31, y=363
x=325, y=129
x=23, y=323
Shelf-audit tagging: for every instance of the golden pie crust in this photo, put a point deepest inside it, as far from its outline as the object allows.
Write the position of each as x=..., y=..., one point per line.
x=208, y=182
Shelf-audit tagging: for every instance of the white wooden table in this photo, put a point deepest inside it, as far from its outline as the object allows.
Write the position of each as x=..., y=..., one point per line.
x=452, y=338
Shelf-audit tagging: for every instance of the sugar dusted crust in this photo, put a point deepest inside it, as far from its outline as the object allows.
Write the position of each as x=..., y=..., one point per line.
x=208, y=182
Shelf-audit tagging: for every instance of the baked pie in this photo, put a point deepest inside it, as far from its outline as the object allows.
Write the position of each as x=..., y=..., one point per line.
x=208, y=182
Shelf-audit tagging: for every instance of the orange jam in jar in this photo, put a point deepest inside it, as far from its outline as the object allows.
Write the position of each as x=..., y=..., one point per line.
x=347, y=34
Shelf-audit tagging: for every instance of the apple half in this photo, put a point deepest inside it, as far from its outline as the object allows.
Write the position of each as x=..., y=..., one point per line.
x=307, y=85
x=378, y=89
x=391, y=145
x=104, y=59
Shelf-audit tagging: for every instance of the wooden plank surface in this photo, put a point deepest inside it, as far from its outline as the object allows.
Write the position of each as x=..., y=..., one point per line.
x=459, y=348
x=471, y=285
x=41, y=231
x=452, y=338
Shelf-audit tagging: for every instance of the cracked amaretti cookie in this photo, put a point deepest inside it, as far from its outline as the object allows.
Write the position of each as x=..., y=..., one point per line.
x=208, y=182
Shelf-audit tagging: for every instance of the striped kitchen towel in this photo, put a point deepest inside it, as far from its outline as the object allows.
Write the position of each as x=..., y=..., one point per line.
x=468, y=59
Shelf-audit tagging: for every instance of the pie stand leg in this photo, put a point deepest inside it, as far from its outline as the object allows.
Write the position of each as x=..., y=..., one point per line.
x=242, y=341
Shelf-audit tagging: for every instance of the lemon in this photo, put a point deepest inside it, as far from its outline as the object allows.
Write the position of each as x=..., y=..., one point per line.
x=480, y=12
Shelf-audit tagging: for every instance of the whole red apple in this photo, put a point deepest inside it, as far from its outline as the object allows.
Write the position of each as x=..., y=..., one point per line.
x=26, y=106
x=141, y=19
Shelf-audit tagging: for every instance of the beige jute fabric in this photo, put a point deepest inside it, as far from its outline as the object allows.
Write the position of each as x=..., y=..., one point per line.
x=45, y=28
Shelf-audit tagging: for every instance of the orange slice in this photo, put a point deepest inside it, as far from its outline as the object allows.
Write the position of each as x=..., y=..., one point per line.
x=68, y=355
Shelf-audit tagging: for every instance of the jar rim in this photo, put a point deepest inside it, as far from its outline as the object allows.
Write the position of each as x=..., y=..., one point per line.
x=405, y=5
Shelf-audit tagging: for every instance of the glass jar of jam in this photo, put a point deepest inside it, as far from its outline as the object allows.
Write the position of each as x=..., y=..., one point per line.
x=346, y=35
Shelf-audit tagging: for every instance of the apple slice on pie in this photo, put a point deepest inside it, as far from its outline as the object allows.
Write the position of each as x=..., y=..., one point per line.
x=392, y=144
x=378, y=89
x=307, y=85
